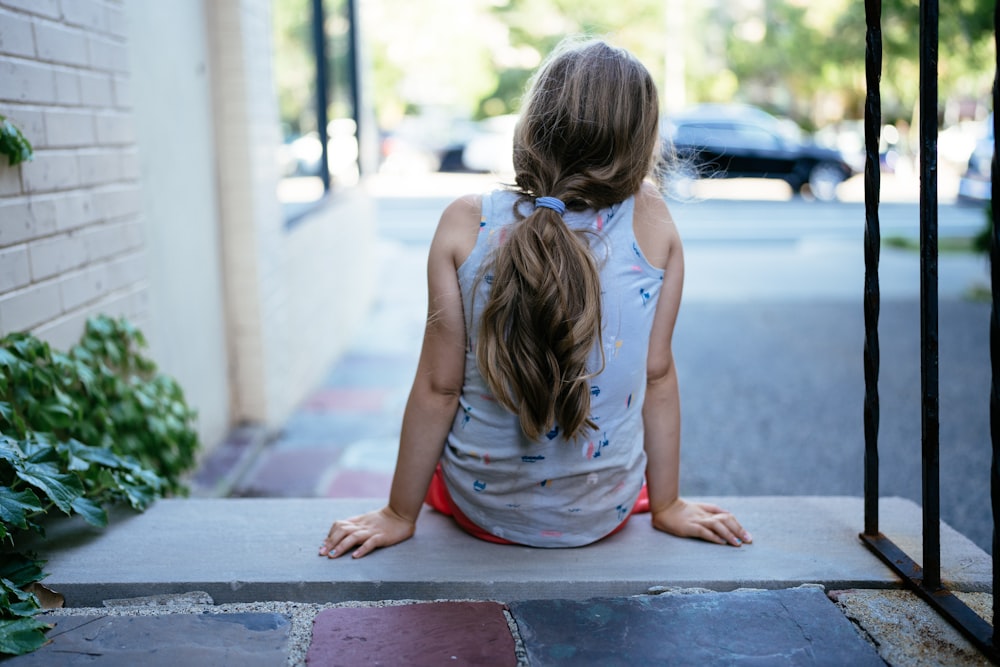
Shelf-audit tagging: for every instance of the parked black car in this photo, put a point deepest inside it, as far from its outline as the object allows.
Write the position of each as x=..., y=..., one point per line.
x=741, y=141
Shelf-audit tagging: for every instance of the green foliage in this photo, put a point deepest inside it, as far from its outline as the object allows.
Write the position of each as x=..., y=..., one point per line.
x=13, y=144
x=981, y=241
x=79, y=431
x=20, y=632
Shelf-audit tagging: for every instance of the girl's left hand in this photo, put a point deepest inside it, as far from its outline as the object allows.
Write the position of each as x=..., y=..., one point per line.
x=367, y=532
x=701, y=520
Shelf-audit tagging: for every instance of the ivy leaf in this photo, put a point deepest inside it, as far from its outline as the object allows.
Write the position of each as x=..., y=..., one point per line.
x=21, y=570
x=86, y=454
x=8, y=360
x=139, y=491
x=10, y=451
x=27, y=604
x=61, y=488
x=13, y=143
x=91, y=512
x=16, y=505
x=7, y=412
x=22, y=635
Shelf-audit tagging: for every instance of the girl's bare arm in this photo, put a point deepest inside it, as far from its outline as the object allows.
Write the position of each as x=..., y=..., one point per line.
x=433, y=400
x=661, y=409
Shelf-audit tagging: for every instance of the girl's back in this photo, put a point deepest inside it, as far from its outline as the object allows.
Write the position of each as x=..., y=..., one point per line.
x=578, y=489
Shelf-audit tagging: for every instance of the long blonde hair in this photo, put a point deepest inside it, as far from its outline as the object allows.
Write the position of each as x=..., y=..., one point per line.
x=588, y=135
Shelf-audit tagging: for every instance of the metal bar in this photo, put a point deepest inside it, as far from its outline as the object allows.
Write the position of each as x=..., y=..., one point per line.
x=354, y=77
x=930, y=417
x=956, y=612
x=322, y=94
x=873, y=128
x=995, y=327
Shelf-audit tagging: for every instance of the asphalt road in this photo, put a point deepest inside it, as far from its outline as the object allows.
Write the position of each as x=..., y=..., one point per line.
x=769, y=350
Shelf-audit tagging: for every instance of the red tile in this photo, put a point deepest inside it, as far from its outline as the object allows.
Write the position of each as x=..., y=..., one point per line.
x=359, y=484
x=434, y=633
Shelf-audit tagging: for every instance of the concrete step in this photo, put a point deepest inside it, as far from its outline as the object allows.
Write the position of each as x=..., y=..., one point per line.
x=247, y=550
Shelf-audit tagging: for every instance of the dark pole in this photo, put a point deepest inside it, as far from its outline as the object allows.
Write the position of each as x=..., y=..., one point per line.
x=873, y=126
x=930, y=423
x=995, y=329
x=354, y=75
x=322, y=96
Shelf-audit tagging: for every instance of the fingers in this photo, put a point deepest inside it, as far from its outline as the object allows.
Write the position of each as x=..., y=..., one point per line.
x=727, y=527
x=344, y=536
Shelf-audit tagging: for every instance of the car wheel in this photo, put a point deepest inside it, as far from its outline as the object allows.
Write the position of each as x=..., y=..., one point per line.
x=824, y=179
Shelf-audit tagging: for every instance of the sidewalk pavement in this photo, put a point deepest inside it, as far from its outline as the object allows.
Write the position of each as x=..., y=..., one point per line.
x=341, y=444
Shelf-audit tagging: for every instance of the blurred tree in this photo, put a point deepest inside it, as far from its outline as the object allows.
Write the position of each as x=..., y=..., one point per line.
x=294, y=65
x=535, y=27
x=802, y=58
x=825, y=78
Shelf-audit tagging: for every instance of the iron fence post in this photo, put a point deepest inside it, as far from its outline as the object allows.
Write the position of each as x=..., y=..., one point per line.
x=995, y=328
x=873, y=128
x=930, y=417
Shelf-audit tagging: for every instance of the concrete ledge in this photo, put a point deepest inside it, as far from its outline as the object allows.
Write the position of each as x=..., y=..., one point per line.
x=245, y=550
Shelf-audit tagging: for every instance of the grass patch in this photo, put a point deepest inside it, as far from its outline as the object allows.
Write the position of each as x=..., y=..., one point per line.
x=949, y=244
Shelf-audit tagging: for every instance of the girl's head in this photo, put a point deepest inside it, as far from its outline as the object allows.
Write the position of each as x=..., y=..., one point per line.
x=589, y=127
x=588, y=136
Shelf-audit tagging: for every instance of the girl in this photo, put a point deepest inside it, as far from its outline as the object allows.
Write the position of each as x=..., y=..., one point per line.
x=546, y=389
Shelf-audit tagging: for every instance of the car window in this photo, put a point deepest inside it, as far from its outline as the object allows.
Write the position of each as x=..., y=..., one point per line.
x=704, y=134
x=750, y=136
x=726, y=135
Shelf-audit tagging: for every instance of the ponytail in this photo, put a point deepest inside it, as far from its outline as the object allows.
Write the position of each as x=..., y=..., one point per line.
x=588, y=134
x=540, y=325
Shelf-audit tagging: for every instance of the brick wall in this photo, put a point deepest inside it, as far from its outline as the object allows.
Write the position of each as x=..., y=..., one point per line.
x=71, y=229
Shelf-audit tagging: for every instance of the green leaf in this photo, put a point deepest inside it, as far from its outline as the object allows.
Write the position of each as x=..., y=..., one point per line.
x=21, y=636
x=27, y=603
x=10, y=450
x=91, y=512
x=100, y=456
x=16, y=505
x=61, y=488
x=21, y=570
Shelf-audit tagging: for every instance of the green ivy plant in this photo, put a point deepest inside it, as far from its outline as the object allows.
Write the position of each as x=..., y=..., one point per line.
x=13, y=143
x=79, y=431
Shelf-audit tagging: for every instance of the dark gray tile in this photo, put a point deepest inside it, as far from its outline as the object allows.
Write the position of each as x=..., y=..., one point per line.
x=787, y=627
x=241, y=640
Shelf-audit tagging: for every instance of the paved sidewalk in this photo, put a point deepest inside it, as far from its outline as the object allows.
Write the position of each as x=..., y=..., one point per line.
x=341, y=443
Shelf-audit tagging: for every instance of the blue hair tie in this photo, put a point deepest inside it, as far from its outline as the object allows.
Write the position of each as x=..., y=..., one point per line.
x=551, y=202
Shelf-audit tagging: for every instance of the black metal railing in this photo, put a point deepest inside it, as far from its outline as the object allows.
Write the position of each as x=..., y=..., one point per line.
x=926, y=580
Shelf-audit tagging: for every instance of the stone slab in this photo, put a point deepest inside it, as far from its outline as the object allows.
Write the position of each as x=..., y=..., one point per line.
x=242, y=550
x=247, y=640
x=907, y=631
x=432, y=633
x=788, y=627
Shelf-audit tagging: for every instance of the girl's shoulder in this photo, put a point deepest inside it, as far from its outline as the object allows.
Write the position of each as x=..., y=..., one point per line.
x=654, y=227
x=458, y=227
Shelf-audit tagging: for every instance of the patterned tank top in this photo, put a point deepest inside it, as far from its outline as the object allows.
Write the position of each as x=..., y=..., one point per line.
x=554, y=492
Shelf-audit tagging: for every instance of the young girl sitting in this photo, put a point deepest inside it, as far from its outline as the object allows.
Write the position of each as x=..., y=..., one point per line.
x=546, y=391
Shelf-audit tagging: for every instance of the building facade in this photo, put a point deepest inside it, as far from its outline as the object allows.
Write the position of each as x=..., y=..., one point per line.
x=153, y=194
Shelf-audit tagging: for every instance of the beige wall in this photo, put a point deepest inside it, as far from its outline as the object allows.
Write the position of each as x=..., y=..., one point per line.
x=172, y=108
x=152, y=195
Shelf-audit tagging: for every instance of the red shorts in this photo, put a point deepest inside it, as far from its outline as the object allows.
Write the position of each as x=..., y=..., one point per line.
x=439, y=499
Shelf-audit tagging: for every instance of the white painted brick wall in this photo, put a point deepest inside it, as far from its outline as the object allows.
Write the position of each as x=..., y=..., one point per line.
x=71, y=240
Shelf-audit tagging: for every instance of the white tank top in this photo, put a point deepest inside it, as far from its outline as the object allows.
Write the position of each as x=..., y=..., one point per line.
x=553, y=492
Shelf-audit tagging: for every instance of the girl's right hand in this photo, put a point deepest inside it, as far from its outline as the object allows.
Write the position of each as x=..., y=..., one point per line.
x=381, y=528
